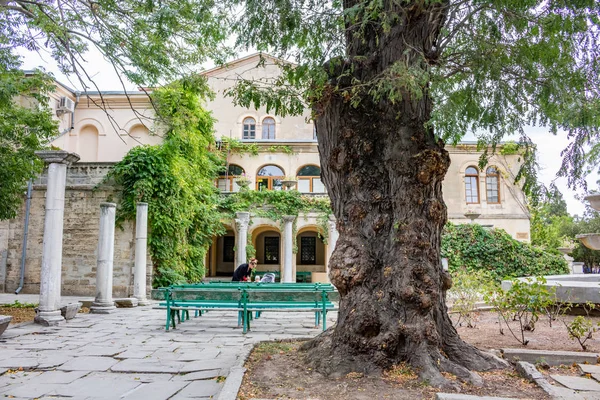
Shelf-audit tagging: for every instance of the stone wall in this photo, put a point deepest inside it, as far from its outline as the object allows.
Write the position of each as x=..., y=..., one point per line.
x=80, y=240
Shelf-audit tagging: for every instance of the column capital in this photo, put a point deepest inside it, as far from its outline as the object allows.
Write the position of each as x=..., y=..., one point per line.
x=332, y=218
x=289, y=218
x=57, y=156
x=107, y=205
x=142, y=204
x=243, y=216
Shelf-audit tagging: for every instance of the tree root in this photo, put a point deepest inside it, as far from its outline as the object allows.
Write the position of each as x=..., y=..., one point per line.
x=460, y=359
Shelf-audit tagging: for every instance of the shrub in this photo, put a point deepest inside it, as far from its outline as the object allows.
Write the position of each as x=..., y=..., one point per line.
x=467, y=289
x=524, y=302
x=493, y=250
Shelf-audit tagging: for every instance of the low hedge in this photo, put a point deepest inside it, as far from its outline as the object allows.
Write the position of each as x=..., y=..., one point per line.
x=496, y=252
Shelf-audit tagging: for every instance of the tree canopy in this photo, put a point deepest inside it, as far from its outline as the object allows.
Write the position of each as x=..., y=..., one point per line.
x=492, y=67
x=146, y=42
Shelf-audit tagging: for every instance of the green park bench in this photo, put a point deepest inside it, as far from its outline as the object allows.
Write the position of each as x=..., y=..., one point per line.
x=245, y=298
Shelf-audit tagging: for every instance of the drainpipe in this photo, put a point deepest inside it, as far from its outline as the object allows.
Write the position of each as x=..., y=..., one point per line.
x=25, y=233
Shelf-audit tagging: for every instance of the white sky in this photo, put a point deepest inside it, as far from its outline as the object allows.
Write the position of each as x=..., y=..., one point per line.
x=549, y=146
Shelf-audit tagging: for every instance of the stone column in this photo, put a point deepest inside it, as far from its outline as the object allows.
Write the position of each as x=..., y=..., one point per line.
x=141, y=241
x=103, y=304
x=50, y=281
x=332, y=237
x=288, y=246
x=242, y=221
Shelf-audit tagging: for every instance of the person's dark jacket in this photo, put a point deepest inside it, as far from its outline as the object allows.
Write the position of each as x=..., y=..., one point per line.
x=242, y=271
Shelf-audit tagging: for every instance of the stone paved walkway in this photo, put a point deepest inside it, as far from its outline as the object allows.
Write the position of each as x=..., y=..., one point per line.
x=129, y=355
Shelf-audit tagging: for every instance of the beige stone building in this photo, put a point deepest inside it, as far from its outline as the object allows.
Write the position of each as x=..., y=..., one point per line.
x=287, y=150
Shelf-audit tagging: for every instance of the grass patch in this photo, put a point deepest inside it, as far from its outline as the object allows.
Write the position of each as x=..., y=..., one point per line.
x=18, y=304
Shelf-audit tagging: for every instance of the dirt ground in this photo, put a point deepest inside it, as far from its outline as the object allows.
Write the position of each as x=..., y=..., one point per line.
x=25, y=314
x=277, y=370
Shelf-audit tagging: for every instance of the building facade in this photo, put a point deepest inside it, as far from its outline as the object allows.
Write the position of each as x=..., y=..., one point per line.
x=287, y=155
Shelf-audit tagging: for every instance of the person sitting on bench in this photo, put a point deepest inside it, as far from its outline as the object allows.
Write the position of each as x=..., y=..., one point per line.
x=242, y=273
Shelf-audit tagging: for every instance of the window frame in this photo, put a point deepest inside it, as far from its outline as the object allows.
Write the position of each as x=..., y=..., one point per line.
x=472, y=180
x=226, y=246
x=313, y=261
x=275, y=248
x=495, y=175
x=310, y=178
x=267, y=126
x=229, y=177
x=248, y=129
x=269, y=178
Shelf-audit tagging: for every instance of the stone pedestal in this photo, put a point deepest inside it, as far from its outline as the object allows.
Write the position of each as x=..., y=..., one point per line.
x=288, y=246
x=242, y=221
x=104, y=304
x=141, y=240
x=50, y=280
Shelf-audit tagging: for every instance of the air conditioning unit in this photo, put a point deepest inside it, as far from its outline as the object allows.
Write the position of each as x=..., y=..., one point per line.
x=65, y=105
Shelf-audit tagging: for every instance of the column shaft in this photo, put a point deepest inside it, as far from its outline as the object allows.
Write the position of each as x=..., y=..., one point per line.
x=103, y=304
x=288, y=241
x=50, y=275
x=141, y=242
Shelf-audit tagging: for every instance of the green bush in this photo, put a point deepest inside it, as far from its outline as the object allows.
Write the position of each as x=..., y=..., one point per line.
x=494, y=251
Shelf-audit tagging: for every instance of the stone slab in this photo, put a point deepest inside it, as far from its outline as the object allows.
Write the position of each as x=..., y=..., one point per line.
x=97, y=387
x=31, y=390
x=458, y=396
x=577, y=383
x=207, y=388
x=550, y=357
x=155, y=391
x=589, y=368
x=88, y=364
x=133, y=365
x=59, y=377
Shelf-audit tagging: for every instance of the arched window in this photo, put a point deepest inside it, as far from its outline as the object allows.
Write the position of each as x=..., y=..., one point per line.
x=309, y=180
x=492, y=185
x=472, y=185
x=249, y=131
x=269, y=177
x=226, y=182
x=268, y=128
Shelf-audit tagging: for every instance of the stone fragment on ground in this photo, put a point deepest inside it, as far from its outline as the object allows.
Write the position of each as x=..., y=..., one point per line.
x=552, y=358
x=4, y=321
x=70, y=311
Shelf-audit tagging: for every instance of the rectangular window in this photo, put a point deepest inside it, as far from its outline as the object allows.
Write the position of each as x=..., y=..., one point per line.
x=304, y=185
x=268, y=131
x=308, y=250
x=271, y=250
x=249, y=131
x=492, y=189
x=228, y=245
x=471, y=189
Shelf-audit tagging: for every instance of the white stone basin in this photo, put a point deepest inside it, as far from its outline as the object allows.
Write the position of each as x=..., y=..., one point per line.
x=590, y=240
x=594, y=200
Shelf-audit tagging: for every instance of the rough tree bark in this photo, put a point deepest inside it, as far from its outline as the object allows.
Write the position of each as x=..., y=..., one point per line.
x=383, y=168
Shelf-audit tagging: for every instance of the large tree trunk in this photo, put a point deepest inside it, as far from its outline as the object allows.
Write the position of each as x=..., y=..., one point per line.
x=383, y=169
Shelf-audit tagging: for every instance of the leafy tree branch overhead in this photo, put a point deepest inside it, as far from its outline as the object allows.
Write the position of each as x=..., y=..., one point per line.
x=147, y=43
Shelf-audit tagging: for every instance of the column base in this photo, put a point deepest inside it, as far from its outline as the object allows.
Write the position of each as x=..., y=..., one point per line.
x=102, y=307
x=49, y=318
x=143, y=302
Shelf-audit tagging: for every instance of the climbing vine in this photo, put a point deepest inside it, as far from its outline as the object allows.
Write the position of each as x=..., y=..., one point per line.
x=275, y=204
x=176, y=179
